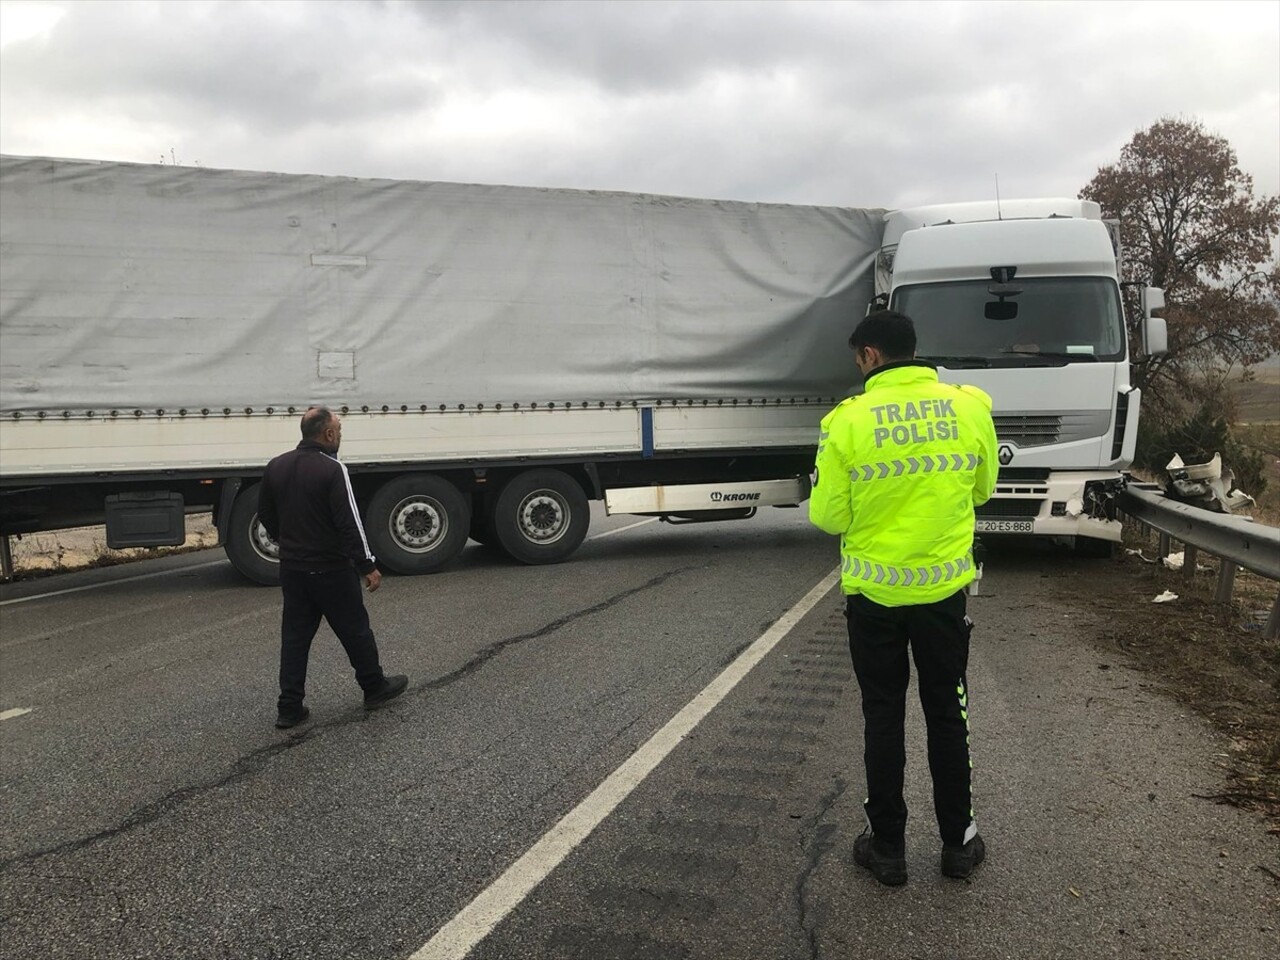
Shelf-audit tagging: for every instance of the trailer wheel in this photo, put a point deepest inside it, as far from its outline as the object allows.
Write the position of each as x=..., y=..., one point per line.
x=249, y=547
x=541, y=517
x=418, y=523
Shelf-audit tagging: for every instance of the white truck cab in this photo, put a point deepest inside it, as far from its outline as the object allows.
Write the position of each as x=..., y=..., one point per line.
x=1022, y=298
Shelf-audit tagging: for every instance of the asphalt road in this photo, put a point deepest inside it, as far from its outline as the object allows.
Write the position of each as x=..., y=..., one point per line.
x=150, y=809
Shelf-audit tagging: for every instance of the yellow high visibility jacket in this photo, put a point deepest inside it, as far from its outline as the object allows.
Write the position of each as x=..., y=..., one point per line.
x=899, y=470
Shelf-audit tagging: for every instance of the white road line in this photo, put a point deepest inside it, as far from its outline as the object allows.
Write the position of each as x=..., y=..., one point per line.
x=112, y=583
x=629, y=526
x=460, y=936
x=15, y=712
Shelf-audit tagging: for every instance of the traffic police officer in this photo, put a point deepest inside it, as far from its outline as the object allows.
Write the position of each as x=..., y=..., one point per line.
x=899, y=471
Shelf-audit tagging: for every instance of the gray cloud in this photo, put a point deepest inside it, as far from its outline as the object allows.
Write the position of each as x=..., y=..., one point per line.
x=231, y=63
x=837, y=103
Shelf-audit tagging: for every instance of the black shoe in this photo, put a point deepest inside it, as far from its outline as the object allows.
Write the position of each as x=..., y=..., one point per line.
x=291, y=718
x=886, y=861
x=391, y=688
x=958, y=862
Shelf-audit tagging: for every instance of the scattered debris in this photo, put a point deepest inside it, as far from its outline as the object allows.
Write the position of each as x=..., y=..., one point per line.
x=1205, y=485
x=1176, y=561
x=1165, y=597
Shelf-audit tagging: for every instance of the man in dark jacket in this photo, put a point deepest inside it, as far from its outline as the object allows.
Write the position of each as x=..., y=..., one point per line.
x=307, y=505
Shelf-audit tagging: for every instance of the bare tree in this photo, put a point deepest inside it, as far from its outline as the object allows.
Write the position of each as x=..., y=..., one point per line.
x=1191, y=224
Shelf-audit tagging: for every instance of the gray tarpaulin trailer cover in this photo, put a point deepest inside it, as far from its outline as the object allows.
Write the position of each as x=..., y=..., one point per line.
x=157, y=287
x=503, y=355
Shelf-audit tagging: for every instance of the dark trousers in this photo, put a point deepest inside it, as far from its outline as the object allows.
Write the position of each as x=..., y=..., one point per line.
x=938, y=635
x=334, y=595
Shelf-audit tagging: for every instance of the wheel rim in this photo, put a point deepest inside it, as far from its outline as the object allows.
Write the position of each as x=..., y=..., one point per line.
x=418, y=524
x=261, y=541
x=543, y=517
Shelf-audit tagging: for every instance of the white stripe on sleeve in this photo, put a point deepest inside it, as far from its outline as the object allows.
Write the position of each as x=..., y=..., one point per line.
x=351, y=499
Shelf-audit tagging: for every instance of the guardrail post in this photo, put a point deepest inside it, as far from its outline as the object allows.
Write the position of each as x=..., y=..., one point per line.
x=1189, y=562
x=6, y=559
x=1272, y=630
x=1226, y=581
x=1164, y=546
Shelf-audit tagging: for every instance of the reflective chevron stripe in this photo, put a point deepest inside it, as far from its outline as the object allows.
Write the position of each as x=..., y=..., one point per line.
x=930, y=463
x=891, y=576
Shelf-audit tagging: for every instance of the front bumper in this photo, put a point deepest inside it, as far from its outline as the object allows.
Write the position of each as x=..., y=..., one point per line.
x=1060, y=505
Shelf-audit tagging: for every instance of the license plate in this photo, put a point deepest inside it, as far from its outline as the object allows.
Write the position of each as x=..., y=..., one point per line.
x=1005, y=526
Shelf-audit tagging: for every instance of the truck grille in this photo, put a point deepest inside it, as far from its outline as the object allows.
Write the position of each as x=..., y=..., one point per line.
x=1026, y=431
x=1038, y=429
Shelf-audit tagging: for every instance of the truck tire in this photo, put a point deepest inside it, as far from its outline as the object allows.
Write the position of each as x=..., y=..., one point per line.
x=248, y=547
x=541, y=517
x=418, y=523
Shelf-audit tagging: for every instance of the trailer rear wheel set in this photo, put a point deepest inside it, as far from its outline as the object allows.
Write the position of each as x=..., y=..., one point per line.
x=420, y=522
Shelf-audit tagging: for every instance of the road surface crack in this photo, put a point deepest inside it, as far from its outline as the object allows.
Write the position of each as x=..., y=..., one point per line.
x=247, y=766
x=256, y=761
x=816, y=847
x=488, y=653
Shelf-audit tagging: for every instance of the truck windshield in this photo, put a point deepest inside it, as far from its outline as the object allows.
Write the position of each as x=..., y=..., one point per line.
x=1058, y=320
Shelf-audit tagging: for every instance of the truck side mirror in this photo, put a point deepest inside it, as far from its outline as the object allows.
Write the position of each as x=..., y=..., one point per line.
x=1155, y=337
x=1152, y=300
x=1155, y=332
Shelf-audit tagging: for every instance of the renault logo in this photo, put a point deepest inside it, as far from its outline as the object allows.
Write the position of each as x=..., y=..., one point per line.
x=1006, y=454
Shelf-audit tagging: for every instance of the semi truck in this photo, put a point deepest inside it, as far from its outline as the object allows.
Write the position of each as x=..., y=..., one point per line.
x=500, y=355
x=1023, y=299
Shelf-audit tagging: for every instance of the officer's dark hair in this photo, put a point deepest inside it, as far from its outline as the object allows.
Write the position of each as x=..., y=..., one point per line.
x=315, y=422
x=890, y=332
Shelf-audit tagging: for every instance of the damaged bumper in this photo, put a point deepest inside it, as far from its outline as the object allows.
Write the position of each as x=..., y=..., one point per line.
x=1058, y=505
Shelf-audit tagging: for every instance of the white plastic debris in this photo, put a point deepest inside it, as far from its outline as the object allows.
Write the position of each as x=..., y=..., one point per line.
x=1198, y=471
x=1139, y=555
x=1176, y=561
x=1165, y=597
x=1205, y=485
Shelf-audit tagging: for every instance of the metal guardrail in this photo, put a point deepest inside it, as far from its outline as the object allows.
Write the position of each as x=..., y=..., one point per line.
x=1239, y=543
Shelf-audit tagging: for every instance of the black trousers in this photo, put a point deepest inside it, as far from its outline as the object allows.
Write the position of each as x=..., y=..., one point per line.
x=938, y=636
x=334, y=595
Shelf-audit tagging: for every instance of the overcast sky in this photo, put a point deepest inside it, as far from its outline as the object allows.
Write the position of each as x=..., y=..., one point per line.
x=848, y=104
